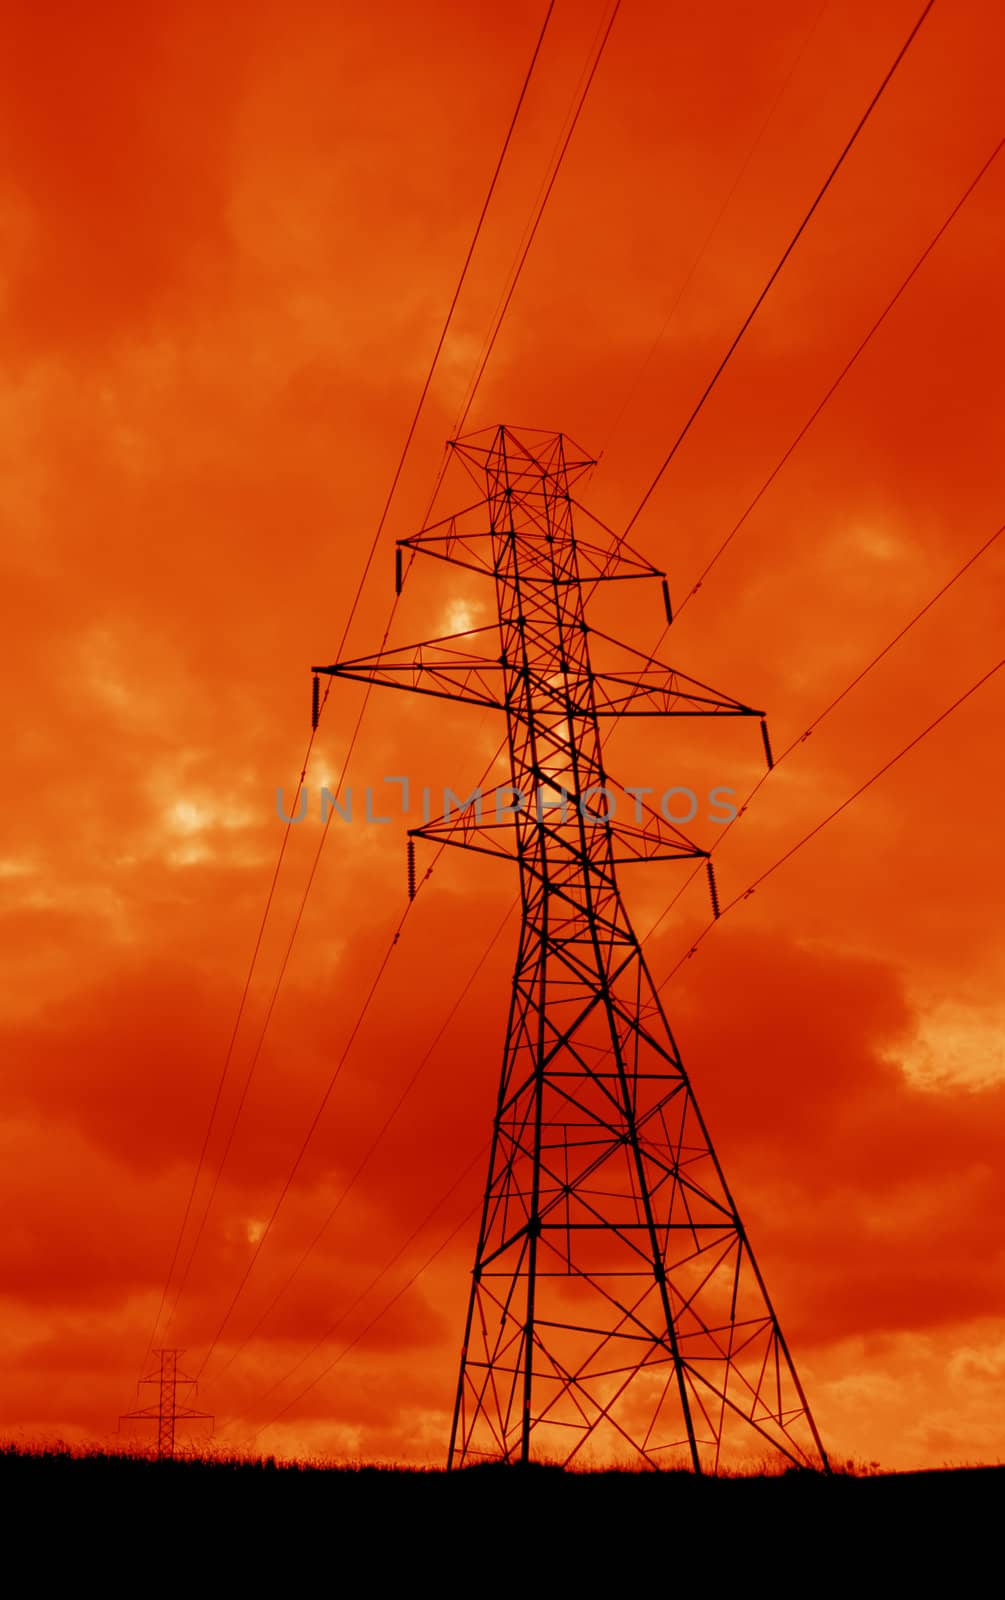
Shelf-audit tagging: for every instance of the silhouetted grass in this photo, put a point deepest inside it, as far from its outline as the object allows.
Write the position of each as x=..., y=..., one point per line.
x=290, y=1527
x=23, y=1465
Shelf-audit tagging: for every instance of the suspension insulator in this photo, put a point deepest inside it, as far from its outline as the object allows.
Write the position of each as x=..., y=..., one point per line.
x=397, y=569
x=767, y=744
x=315, y=701
x=411, y=869
x=666, y=600
x=710, y=870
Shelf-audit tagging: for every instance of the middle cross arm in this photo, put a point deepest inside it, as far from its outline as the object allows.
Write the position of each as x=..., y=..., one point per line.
x=438, y=667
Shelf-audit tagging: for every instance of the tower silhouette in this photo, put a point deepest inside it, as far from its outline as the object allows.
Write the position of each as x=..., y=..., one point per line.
x=616, y=1309
x=166, y=1412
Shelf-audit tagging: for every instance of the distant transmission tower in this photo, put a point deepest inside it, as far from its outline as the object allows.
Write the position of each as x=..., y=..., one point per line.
x=167, y=1412
x=616, y=1309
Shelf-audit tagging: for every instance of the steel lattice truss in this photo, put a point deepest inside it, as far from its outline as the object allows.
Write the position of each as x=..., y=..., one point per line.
x=616, y=1309
x=167, y=1412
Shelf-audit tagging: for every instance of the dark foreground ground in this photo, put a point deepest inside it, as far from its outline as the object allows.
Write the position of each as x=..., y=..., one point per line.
x=535, y=1530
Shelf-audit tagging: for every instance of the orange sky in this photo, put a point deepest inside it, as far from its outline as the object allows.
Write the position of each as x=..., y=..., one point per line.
x=230, y=237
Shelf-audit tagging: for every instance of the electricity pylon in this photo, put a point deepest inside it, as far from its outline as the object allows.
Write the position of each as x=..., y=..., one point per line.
x=166, y=1412
x=616, y=1308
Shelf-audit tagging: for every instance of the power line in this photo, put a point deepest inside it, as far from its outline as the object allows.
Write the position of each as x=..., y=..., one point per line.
x=794, y=847
x=291, y=1175
x=273, y=998
x=987, y=544
x=541, y=207
x=200, y=1163
x=352, y=612
x=869, y=667
x=326, y=1095
x=792, y=746
x=831, y=391
x=862, y=674
x=453, y=304
x=765, y=486
x=385, y=1269
x=372, y=1147
x=784, y=258
x=730, y=906
x=473, y=390
x=476, y=381
x=643, y=368
x=529, y=237
x=769, y=480
x=526, y=477
x=831, y=706
x=357, y=1339
x=746, y=893
x=555, y=174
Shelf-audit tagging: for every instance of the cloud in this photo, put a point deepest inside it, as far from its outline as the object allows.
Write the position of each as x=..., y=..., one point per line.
x=233, y=239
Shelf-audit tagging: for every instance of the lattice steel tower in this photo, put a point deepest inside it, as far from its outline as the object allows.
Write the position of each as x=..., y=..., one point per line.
x=616, y=1308
x=166, y=1411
